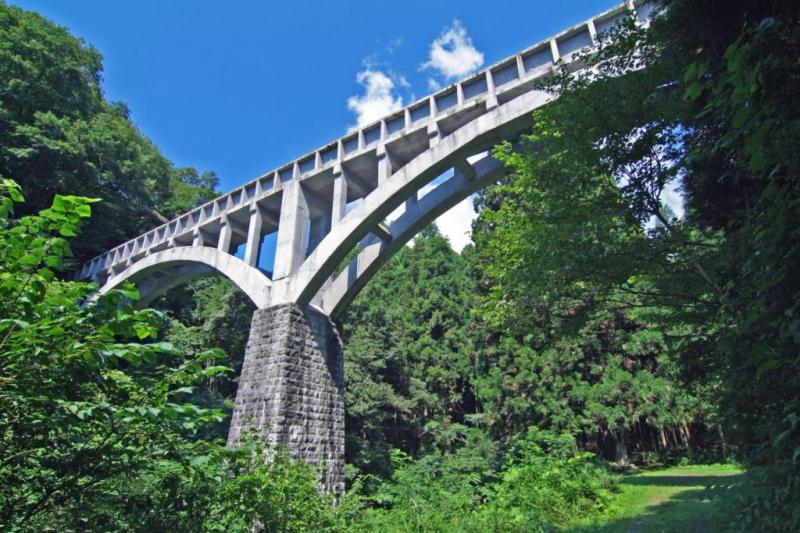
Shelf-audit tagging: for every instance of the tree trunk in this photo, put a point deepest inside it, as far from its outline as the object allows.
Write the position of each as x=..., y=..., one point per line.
x=722, y=441
x=687, y=436
x=621, y=448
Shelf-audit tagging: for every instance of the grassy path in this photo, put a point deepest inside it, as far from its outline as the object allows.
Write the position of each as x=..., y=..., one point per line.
x=684, y=499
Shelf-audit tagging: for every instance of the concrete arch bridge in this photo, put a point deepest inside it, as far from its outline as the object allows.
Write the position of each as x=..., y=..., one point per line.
x=361, y=191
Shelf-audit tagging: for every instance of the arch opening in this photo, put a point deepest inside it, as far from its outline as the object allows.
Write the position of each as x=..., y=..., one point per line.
x=164, y=270
x=334, y=297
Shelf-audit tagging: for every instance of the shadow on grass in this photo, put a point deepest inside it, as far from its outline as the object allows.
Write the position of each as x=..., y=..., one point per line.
x=692, y=510
x=684, y=481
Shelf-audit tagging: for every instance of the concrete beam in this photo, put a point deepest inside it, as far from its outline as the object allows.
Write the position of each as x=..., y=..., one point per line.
x=384, y=167
x=465, y=169
x=225, y=234
x=339, y=201
x=382, y=232
x=200, y=237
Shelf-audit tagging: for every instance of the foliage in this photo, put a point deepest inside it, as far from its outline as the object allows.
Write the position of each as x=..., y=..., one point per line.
x=97, y=430
x=705, y=105
x=543, y=483
x=742, y=91
x=579, y=296
x=546, y=482
x=407, y=358
x=81, y=403
x=204, y=314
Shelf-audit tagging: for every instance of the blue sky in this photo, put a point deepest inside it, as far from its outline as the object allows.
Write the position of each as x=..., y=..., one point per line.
x=240, y=87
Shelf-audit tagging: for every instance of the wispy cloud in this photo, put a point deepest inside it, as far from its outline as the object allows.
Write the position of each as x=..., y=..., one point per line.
x=456, y=224
x=378, y=99
x=452, y=55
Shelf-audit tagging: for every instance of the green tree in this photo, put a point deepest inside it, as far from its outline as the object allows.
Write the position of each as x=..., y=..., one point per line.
x=407, y=358
x=703, y=103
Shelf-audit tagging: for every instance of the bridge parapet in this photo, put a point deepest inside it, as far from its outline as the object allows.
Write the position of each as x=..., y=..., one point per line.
x=305, y=199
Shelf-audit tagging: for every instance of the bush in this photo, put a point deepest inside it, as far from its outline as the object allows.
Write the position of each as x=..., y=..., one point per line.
x=545, y=481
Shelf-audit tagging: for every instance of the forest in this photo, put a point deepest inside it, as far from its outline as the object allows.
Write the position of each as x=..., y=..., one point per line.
x=588, y=333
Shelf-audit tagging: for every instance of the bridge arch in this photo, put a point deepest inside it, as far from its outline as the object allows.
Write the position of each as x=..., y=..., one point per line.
x=307, y=285
x=161, y=271
x=335, y=296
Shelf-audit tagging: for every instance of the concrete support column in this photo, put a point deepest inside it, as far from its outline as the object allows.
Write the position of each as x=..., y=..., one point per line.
x=290, y=250
x=225, y=234
x=554, y=50
x=339, y=207
x=592, y=31
x=253, y=247
x=199, y=237
x=411, y=201
x=433, y=134
x=384, y=167
x=491, y=91
x=520, y=67
x=291, y=389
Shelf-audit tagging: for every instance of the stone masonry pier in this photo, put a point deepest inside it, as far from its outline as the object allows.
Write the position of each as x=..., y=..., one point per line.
x=291, y=388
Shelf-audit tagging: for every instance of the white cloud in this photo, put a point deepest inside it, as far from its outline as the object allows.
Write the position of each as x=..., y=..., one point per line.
x=672, y=197
x=393, y=45
x=452, y=54
x=378, y=99
x=456, y=224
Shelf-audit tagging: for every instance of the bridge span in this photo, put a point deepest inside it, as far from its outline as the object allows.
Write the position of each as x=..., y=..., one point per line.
x=364, y=192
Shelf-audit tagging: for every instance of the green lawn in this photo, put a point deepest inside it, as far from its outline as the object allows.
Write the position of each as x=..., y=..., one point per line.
x=684, y=498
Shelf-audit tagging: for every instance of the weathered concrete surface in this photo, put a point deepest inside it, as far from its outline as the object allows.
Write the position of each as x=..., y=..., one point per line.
x=292, y=388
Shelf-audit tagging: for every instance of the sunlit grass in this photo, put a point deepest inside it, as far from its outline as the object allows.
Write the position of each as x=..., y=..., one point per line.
x=685, y=498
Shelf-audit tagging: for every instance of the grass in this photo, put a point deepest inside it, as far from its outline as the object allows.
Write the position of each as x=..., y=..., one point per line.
x=684, y=498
